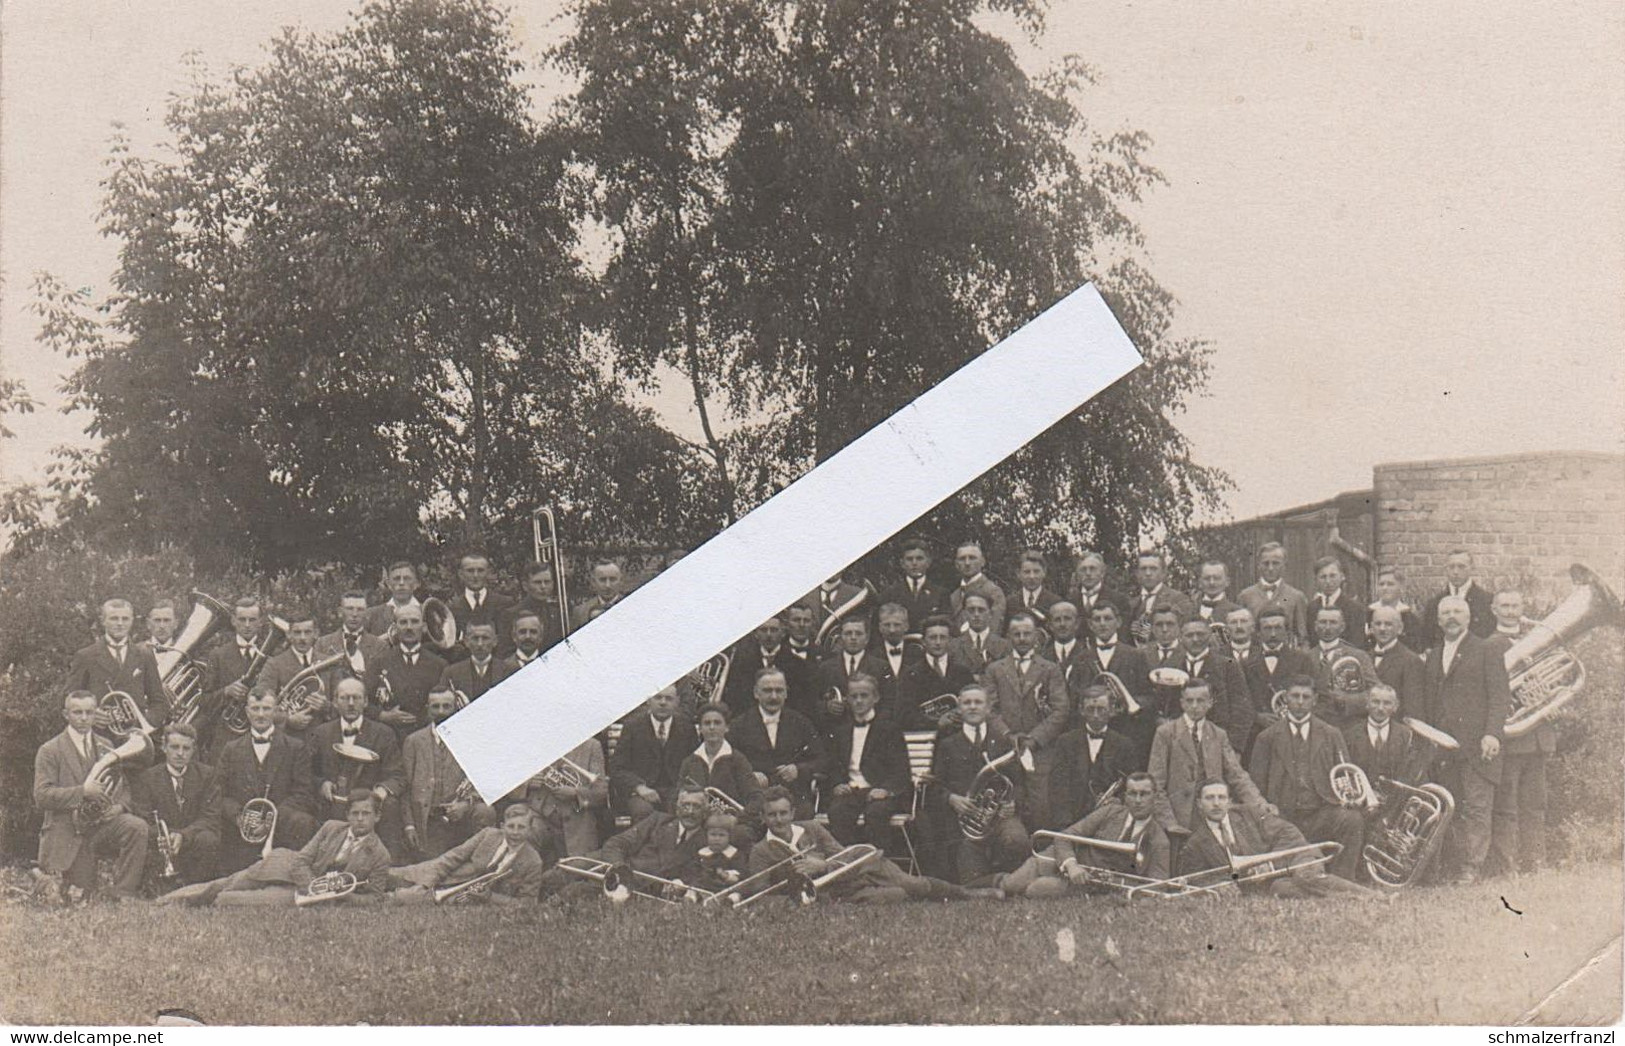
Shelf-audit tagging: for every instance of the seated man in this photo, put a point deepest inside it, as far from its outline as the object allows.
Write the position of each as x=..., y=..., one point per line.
x=781, y=743
x=1383, y=746
x=1223, y=832
x=1066, y=864
x=870, y=777
x=185, y=796
x=507, y=849
x=566, y=820
x=338, y=846
x=1292, y=765
x=661, y=844
x=62, y=785
x=442, y=808
x=720, y=864
x=643, y=772
x=1189, y=750
x=337, y=774
x=878, y=881
x=959, y=758
x=265, y=763
x=714, y=764
x=1088, y=760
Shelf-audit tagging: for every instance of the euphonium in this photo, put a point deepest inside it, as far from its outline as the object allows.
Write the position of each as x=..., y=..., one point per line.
x=181, y=675
x=1544, y=674
x=295, y=696
x=1347, y=675
x=124, y=715
x=989, y=791
x=94, y=810
x=329, y=886
x=567, y=773
x=1407, y=837
x=1352, y=787
x=832, y=624
x=256, y=822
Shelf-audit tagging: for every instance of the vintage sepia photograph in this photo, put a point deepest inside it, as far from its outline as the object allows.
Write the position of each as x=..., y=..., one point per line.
x=354, y=356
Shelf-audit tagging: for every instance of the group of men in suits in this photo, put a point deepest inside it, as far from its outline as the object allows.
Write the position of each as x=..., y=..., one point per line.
x=1084, y=691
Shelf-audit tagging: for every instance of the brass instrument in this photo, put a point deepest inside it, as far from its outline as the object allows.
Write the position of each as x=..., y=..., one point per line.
x=781, y=874
x=836, y=696
x=256, y=822
x=329, y=886
x=385, y=692
x=1402, y=844
x=479, y=887
x=622, y=882
x=459, y=699
x=166, y=846
x=124, y=715
x=1352, y=787
x=95, y=810
x=181, y=675
x=711, y=678
x=721, y=802
x=567, y=773
x=1258, y=868
x=234, y=714
x=1132, y=885
x=545, y=537
x=464, y=793
x=832, y=624
x=1347, y=676
x=1544, y=674
x=1278, y=703
x=943, y=705
x=353, y=753
x=439, y=624
x=1432, y=734
x=1121, y=699
x=989, y=791
x=296, y=696
x=1168, y=675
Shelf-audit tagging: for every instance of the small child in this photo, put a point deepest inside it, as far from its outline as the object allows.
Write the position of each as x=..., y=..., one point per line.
x=719, y=864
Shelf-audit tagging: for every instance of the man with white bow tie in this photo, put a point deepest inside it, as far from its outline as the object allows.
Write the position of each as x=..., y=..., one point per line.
x=958, y=758
x=265, y=763
x=113, y=663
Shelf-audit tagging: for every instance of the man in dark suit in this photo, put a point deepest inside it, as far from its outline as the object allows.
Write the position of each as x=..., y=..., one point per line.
x=527, y=641
x=1273, y=591
x=978, y=643
x=1031, y=594
x=1066, y=866
x=362, y=649
x=937, y=672
x=607, y=588
x=1155, y=594
x=227, y=665
x=1396, y=665
x=477, y=602
x=1468, y=698
x=643, y=771
x=1224, y=832
x=1212, y=599
x=895, y=652
x=481, y=669
x=402, y=581
x=1088, y=760
x=1232, y=700
x=290, y=662
x=337, y=775
x=406, y=673
x=765, y=648
x=62, y=784
x=800, y=628
x=1329, y=593
x=1383, y=746
x=659, y=844
x=837, y=598
x=163, y=619
x=1459, y=582
x=540, y=597
x=1089, y=587
x=1390, y=584
x=1343, y=672
x=783, y=746
x=1277, y=661
x=265, y=763
x=1108, y=652
x=830, y=680
x=869, y=777
x=958, y=759
x=916, y=593
x=969, y=562
x=1292, y=766
x=1518, y=827
x=113, y=663
x=185, y=796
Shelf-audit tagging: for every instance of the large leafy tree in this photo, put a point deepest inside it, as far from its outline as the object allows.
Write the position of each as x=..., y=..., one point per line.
x=348, y=314
x=821, y=209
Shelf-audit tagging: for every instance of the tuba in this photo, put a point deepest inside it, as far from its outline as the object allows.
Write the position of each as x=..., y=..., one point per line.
x=124, y=715
x=711, y=678
x=329, y=886
x=296, y=694
x=1543, y=673
x=989, y=791
x=1352, y=787
x=180, y=673
x=95, y=810
x=1405, y=840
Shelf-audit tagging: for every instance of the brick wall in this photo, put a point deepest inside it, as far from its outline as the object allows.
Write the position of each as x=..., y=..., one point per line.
x=1524, y=518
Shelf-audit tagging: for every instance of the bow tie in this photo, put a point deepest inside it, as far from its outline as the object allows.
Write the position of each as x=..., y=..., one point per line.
x=262, y=740
x=1106, y=646
x=895, y=651
x=863, y=722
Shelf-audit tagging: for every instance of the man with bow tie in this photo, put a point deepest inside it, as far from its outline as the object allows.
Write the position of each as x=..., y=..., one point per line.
x=1292, y=765
x=227, y=664
x=894, y=649
x=1232, y=701
x=1213, y=602
x=1155, y=594
x=337, y=774
x=162, y=620
x=507, y=849
x=937, y=672
x=1273, y=661
x=765, y=648
x=1031, y=704
x=919, y=597
x=1395, y=664
x=476, y=602
x=286, y=664
x=978, y=643
x=61, y=784
x=1107, y=652
x=783, y=746
x=1088, y=760
x=869, y=776
x=800, y=628
x=969, y=562
x=113, y=663
x=1030, y=594
x=406, y=673
x=481, y=669
x=362, y=650
x=1273, y=590
x=607, y=591
x=643, y=770
x=1468, y=697
x=1383, y=746
x=956, y=761
x=265, y=763
x=440, y=810
x=1342, y=690
x=185, y=795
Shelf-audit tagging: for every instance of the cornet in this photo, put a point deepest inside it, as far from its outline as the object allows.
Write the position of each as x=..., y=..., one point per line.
x=166, y=846
x=329, y=886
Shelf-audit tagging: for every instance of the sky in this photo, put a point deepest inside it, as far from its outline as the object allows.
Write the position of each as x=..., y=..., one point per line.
x=1400, y=226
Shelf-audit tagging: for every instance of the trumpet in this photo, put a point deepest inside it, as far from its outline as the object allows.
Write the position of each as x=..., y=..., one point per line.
x=95, y=810
x=1543, y=673
x=1352, y=787
x=1122, y=700
x=124, y=716
x=721, y=802
x=477, y=888
x=989, y=792
x=256, y=822
x=166, y=846
x=329, y=886
x=302, y=693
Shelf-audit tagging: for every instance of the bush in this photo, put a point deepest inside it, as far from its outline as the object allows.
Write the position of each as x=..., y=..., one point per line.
x=1586, y=778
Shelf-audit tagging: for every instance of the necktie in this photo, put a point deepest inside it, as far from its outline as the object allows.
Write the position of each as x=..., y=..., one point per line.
x=980, y=735
x=87, y=749
x=660, y=730
x=410, y=656
x=262, y=740
x=1201, y=759
x=1229, y=838
x=941, y=665
x=977, y=639
x=304, y=660
x=1382, y=739
x=914, y=585
x=851, y=664
x=351, y=644
x=176, y=781
x=1128, y=830
x=1022, y=663
x=118, y=653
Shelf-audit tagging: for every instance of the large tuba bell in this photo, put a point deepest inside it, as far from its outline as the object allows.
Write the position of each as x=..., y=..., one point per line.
x=1544, y=675
x=1405, y=839
x=180, y=673
x=989, y=791
x=439, y=624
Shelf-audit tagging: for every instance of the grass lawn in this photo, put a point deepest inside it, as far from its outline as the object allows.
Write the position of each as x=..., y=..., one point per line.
x=1440, y=955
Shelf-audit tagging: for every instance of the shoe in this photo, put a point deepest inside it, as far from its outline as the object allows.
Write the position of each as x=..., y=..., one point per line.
x=984, y=893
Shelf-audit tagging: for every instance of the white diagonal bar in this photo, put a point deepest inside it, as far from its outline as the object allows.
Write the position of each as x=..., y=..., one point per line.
x=894, y=473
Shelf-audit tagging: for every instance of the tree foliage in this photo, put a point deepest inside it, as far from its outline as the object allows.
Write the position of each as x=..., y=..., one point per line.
x=348, y=313
x=821, y=210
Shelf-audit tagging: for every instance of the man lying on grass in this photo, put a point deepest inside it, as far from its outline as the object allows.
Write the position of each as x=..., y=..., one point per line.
x=507, y=849
x=275, y=880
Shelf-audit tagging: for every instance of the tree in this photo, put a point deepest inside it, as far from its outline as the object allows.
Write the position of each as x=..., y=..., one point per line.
x=348, y=320
x=820, y=210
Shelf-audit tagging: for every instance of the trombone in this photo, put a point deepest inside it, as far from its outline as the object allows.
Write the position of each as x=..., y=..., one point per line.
x=782, y=874
x=623, y=882
x=1250, y=869
x=1132, y=885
